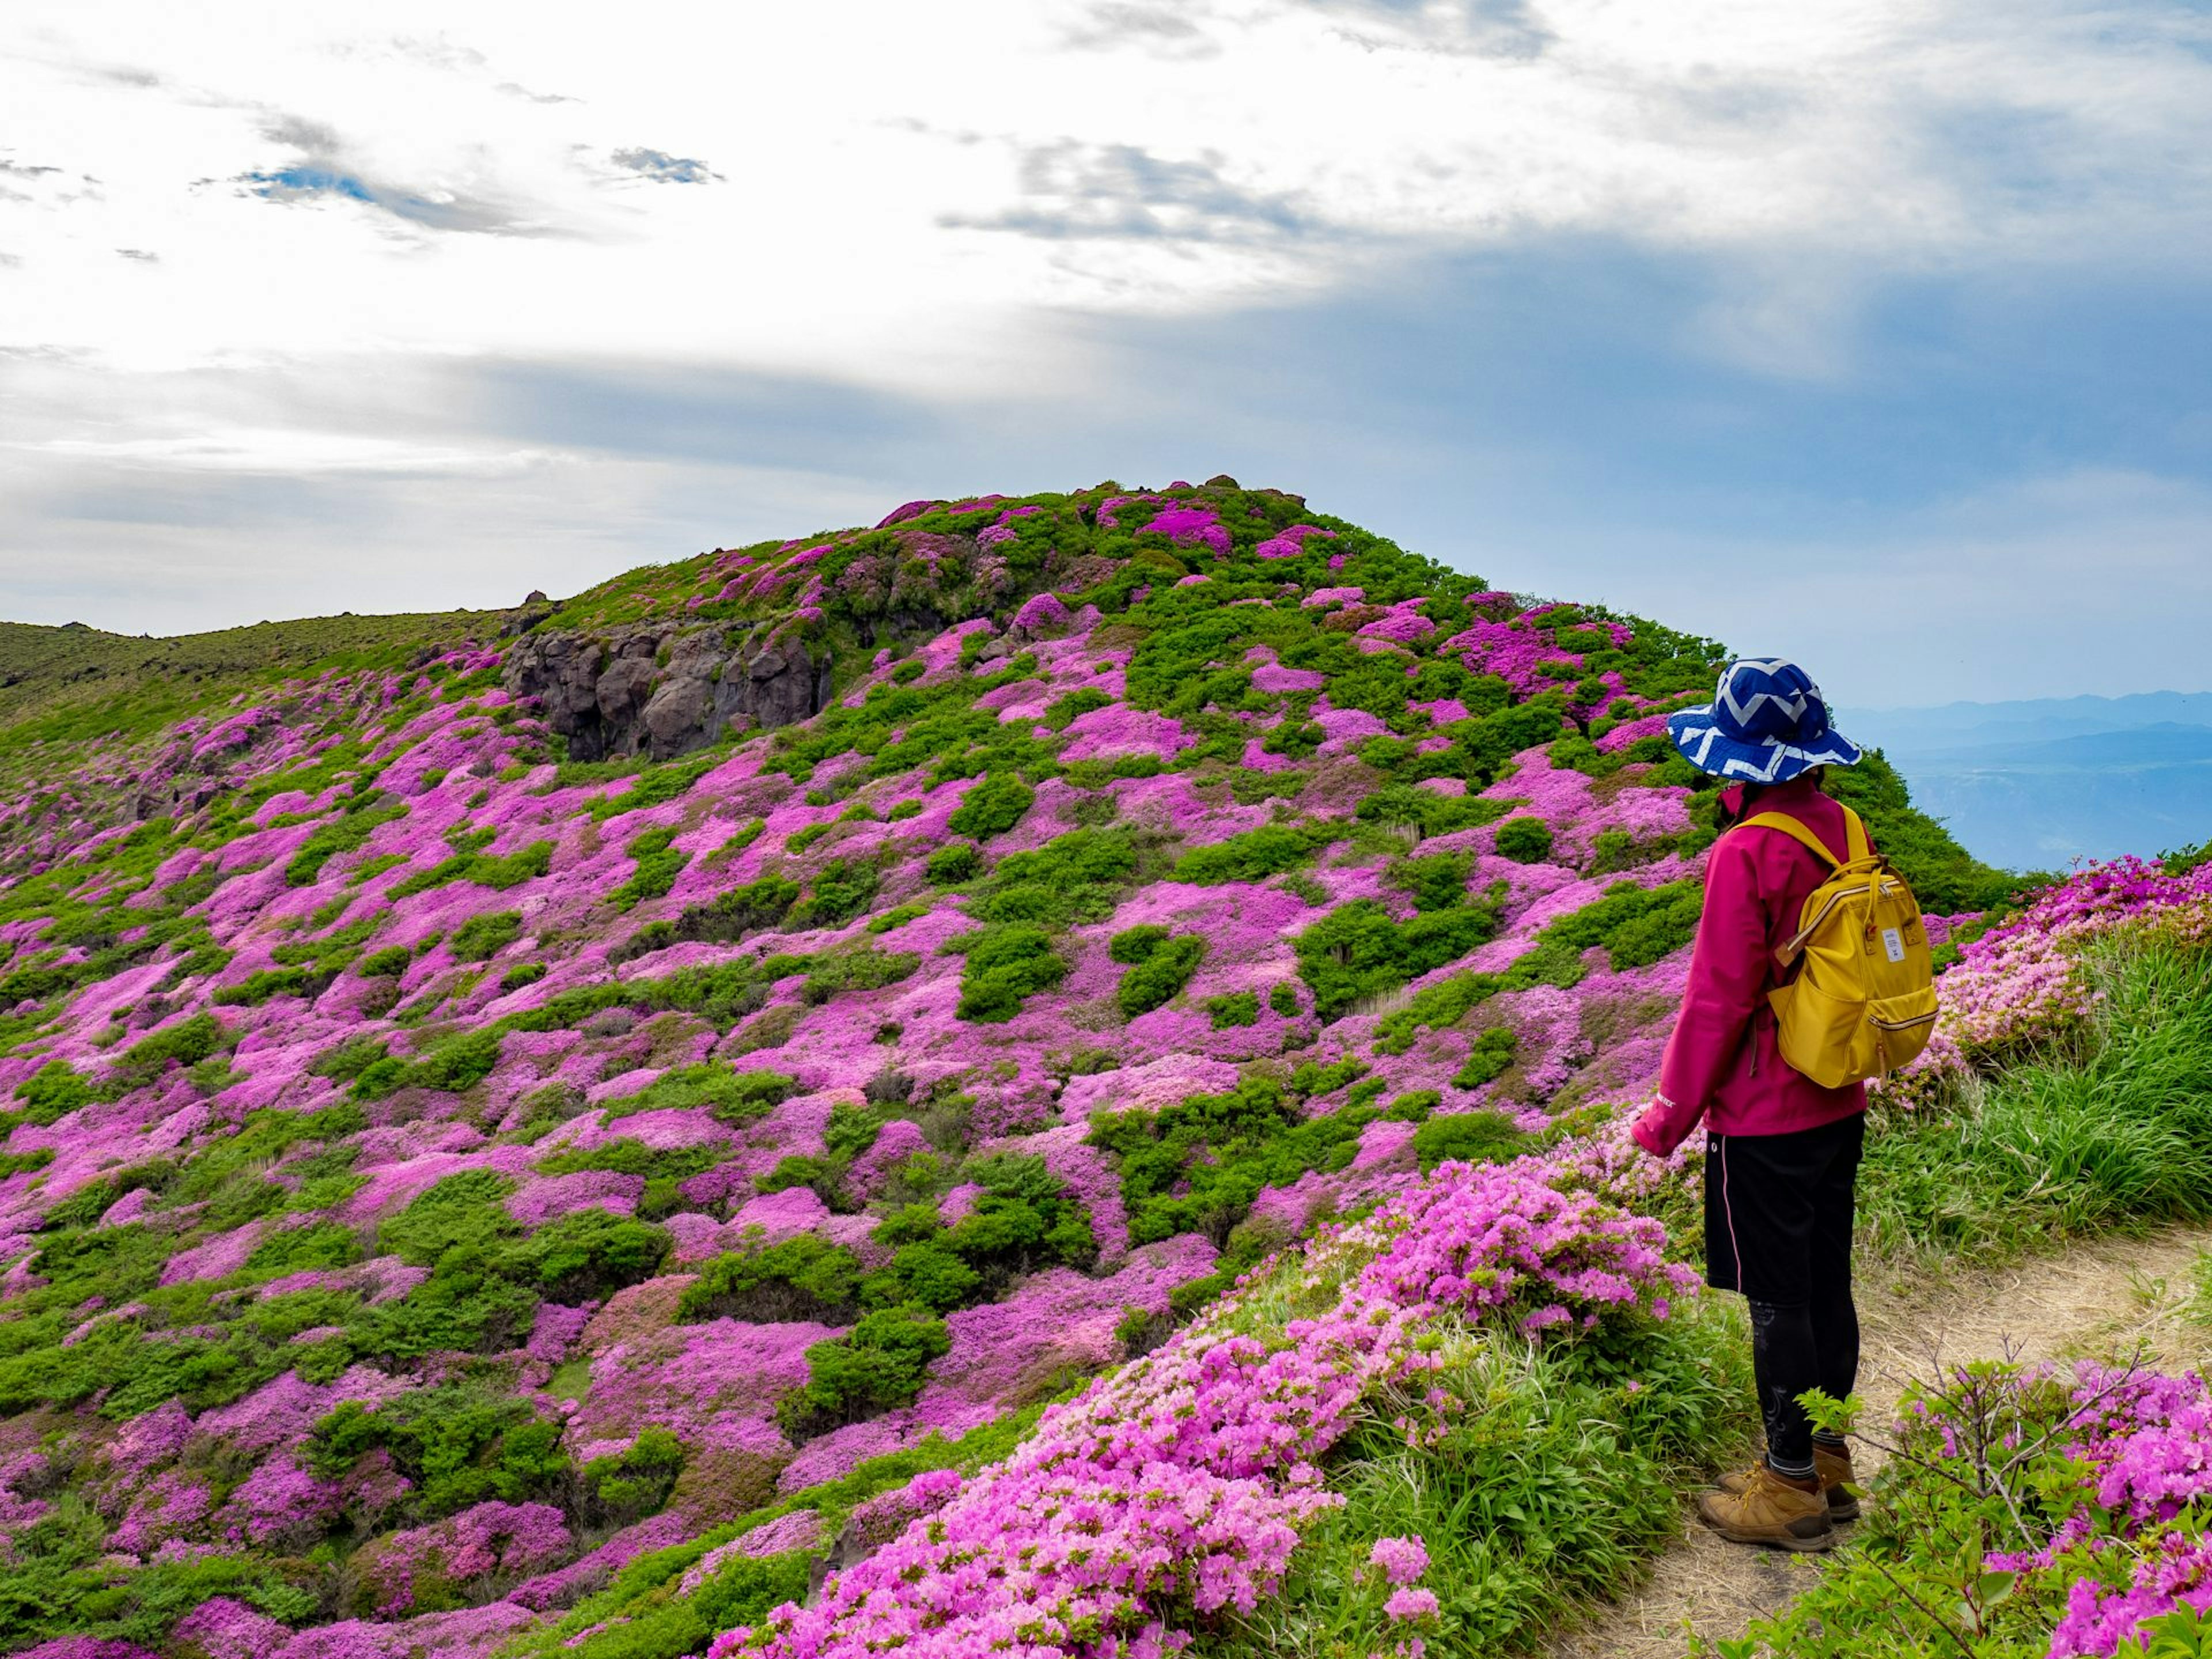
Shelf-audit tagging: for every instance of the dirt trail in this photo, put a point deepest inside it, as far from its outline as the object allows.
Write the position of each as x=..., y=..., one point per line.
x=2098, y=1301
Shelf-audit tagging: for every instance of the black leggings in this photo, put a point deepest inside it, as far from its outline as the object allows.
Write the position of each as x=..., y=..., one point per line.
x=1795, y=1348
x=1778, y=1213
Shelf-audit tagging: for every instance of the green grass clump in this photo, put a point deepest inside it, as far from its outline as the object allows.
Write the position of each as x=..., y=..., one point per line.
x=2114, y=1134
x=658, y=864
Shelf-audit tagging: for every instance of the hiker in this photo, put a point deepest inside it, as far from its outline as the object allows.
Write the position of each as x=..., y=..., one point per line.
x=1781, y=1151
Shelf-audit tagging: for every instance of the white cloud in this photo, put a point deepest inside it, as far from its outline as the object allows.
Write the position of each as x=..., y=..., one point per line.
x=841, y=222
x=284, y=451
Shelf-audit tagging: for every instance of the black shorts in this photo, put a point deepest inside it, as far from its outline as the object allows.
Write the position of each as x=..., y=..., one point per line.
x=1778, y=1211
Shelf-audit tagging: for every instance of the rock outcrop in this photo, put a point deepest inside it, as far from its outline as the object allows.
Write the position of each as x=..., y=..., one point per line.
x=662, y=691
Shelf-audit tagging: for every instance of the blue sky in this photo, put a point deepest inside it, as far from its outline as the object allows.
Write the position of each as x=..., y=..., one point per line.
x=1872, y=334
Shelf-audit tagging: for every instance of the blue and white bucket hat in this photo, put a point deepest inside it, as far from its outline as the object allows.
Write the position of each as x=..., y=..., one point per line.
x=1767, y=724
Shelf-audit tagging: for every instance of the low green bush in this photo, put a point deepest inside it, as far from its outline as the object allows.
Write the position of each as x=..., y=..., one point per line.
x=875, y=1367
x=1004, y=967
x=1359, y=950
x=1468, y=1138
x=993, y=805
x=1525, y=841
x=486, y=935
x=658, y=862
x=953, y=863
x=1254, y=855
x=1160, y=976
x=1233, y=1009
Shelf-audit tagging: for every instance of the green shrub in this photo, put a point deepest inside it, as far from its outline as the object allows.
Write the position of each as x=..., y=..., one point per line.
x=801, y=1277
x=1469, y=1136
x=731, y=1097
x=387, y=964
x=1004, y=967
x=727, y=917
x=841, y=889
x=875, y=1367
x=954, y=863
x=1074, y=877
x=1488, y=1058
x=452, y=1066
x=457, y=1443
x=588, y=1253
x=1133, y=945
x=1234, y=1009
x=1437, y=882
x=320, y=1244
x=1252, y=856
x=187, y=1043
x=522, y=974
x=466, y=1211
x=1434, y=814
x=1074, y=704
x=1525, y=841
x=1160, y=977
x=635, y=1482
x=51, y=1092
x=655, y=785
x=483, y=936
x=1197, y=1166
x=658, y=865
x=995, y=804
x=1282, y=998
x=1358, y=950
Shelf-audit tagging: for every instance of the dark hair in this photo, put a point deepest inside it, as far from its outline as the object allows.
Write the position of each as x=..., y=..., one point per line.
x=1748, y=803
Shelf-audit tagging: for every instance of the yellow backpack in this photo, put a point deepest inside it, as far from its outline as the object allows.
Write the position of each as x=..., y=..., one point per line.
x=1864, y=1002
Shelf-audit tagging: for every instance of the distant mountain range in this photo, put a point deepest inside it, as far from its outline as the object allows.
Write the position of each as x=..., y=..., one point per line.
x=2035, y=784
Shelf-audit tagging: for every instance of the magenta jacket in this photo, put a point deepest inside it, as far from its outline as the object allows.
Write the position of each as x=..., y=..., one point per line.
x=1722, y=1063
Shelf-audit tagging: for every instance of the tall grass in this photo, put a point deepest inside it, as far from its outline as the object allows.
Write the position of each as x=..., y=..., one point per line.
x=2111, y=1134
x=1547, y=1488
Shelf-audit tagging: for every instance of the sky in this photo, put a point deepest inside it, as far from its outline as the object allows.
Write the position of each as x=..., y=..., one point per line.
x=1873, y=333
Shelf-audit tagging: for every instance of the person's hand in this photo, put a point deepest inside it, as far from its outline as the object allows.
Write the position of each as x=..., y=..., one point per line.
x=1651, y=1131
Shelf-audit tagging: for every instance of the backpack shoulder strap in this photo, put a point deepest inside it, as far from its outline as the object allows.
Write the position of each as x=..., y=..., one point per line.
x=1855, y=835
x=1797, y=832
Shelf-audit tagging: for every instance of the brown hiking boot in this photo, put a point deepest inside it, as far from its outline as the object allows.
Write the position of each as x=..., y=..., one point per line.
x=1769, y=1510
x=1837, y=1482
